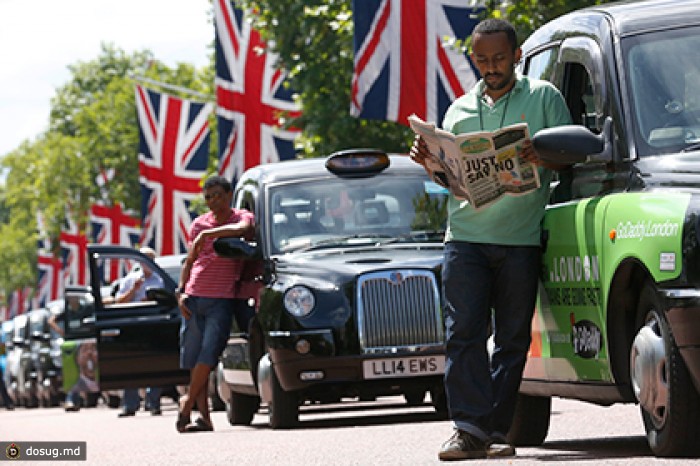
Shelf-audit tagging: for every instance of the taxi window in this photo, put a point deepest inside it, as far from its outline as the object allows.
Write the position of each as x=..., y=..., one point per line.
x=302, y=215
x=541, y=65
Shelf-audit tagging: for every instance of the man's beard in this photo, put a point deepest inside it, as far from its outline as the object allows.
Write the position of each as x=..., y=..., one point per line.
x=502, y=83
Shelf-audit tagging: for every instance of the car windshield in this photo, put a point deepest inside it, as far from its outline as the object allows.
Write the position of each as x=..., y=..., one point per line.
x=664, y=85
x=351, y=212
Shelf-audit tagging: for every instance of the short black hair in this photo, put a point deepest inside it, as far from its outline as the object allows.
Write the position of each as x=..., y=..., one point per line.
x=495, y=25
x=216, y=180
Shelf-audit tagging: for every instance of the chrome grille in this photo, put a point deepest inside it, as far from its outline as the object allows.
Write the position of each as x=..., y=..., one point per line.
x=398, y=309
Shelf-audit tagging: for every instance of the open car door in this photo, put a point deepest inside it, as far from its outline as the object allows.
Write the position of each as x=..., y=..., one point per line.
x=137, y=342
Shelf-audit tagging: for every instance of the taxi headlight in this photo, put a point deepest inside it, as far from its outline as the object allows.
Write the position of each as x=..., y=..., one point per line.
x=299, y=301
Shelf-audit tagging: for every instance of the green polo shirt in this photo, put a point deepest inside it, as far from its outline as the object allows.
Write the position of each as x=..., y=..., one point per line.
x=512, y=220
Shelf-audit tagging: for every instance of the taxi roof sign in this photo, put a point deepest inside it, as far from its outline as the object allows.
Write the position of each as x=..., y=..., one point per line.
x=357, y=162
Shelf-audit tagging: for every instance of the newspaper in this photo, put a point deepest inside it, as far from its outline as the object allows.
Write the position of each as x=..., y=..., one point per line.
x=479, y=167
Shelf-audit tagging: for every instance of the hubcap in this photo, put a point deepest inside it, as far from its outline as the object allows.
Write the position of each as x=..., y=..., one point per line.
x=648, y=371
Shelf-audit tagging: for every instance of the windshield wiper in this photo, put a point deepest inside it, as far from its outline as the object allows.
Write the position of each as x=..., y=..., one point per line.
x=342, y=240
x=420, y=235
x=695, y=146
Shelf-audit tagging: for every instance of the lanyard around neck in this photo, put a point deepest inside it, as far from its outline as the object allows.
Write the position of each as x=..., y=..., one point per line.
x=503, y=115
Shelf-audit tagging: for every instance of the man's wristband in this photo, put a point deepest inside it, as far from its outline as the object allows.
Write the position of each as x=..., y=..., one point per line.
x=180, y=289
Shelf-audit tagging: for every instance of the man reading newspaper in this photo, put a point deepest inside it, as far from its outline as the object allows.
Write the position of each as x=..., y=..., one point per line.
x=492, y=253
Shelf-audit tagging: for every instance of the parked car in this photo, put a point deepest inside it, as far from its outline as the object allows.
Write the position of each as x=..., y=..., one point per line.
x=6, y=333
x=618, y=319
x=45, y=345
x=49, y=362
x=22, y=373
x=349, y=250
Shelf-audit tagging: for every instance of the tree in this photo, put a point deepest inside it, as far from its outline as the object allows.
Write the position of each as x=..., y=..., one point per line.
x=93, y=127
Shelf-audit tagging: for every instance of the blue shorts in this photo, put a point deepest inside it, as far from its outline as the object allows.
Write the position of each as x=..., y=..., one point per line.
x=204, y=335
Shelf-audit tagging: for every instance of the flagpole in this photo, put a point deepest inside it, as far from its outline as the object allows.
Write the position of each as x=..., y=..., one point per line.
x=171, y=87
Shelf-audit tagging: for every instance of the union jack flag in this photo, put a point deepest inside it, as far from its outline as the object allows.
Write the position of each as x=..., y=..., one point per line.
x=173, y=156
x=19, y=301
x=74, y=255
x=250, y=94
x=50, y=282
x=402, y=65
x=110, y=225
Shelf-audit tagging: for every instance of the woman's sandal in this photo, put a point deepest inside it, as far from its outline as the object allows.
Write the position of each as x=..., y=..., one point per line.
x=182, y=422
x=200, y=425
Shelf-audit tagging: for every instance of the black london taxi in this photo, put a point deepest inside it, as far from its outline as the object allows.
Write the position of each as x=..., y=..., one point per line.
x=348, y=250
x=618, y=319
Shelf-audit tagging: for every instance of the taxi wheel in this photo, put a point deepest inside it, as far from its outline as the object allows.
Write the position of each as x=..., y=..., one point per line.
x=438, y=398
x=669, y=403
x=414, y=397
x=92, y=399
x=114, y=401
x=531, y=421
x=241, y=408
x=217, y=404
x=284, y=407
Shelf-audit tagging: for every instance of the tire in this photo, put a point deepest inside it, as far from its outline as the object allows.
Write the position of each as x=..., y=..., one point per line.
x=241, y=408
x=33, y=398
x=114, y=401
x=217, y=404
x=55, y=399
x=531, y=421
x=284, y=407
x=414, y=397
x=92, y=399
x=669, y=403
x=438, y=398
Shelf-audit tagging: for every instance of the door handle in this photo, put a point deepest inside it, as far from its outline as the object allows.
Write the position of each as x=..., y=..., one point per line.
x=110, y=332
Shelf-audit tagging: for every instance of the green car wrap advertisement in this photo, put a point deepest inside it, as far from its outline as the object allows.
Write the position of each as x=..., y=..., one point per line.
x=586, y=242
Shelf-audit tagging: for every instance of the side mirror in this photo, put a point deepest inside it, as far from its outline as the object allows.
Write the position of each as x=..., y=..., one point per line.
x=571, y=144
x=236, y=248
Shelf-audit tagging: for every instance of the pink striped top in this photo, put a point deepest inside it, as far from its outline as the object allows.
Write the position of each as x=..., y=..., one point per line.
x=213, y=276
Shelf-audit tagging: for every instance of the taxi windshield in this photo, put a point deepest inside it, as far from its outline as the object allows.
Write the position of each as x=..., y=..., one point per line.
x=664, y=88
x=355, y=211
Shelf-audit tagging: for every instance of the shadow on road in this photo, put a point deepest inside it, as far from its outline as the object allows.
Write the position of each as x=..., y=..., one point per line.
x=363, y=414
x=592, y=449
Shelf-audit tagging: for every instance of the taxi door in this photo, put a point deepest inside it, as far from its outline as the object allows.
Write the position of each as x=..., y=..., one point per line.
x=137, y=342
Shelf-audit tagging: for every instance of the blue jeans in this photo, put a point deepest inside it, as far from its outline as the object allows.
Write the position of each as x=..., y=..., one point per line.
x=204, y=335
x=131, y=399
x=477, y=278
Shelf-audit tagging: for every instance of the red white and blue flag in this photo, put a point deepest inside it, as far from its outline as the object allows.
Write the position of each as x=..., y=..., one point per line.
x=50, y=283
x=251, y=96
x=50, y=276
x=74, y=254
x=111, y=225
x=19, y=302
x=402, y=62
x=173, y=157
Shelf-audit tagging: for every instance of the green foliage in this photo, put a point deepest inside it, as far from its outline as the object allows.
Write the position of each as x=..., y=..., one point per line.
x=93, y=127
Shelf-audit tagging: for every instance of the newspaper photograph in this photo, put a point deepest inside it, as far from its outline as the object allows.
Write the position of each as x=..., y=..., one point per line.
x=479, y=167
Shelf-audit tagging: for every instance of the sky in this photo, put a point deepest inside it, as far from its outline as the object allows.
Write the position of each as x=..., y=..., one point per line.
x=39, y=39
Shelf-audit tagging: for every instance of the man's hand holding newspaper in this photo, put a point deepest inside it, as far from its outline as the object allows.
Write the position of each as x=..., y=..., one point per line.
x=480, y=167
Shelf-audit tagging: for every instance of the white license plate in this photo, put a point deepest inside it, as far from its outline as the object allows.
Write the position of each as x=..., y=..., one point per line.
x=403, y=367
